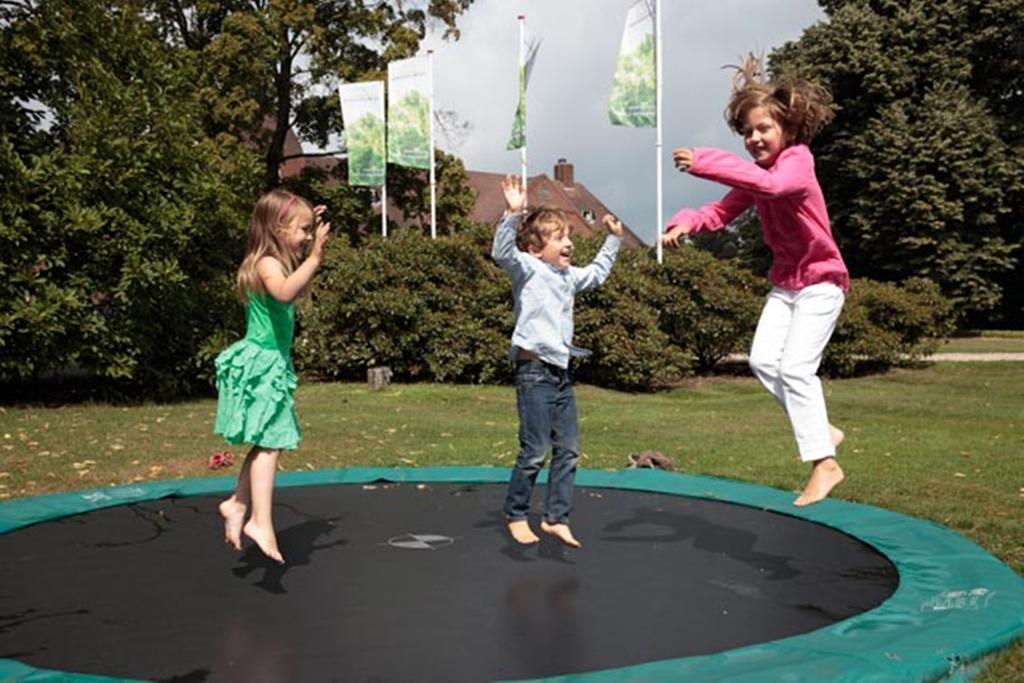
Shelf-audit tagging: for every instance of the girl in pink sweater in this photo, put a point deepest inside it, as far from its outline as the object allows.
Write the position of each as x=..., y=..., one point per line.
x=808, y=276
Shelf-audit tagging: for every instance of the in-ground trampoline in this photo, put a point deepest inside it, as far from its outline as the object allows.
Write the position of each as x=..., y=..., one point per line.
x=408, y=575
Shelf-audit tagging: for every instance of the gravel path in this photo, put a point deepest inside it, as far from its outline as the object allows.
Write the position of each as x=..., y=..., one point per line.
x=975, y=357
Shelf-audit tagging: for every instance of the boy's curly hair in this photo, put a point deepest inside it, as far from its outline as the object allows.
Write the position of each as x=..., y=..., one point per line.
x=538, y=226
x=802, y=108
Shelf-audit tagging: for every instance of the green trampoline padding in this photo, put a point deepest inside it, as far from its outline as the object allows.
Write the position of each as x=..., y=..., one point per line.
x=955, y=603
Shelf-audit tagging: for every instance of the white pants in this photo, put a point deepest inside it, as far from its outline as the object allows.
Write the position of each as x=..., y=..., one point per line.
x=791, y=336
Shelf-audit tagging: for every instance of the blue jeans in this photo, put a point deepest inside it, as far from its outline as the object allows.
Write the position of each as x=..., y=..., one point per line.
x=547, y=420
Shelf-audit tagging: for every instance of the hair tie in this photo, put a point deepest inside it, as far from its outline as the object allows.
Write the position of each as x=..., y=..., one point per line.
x=284, y=209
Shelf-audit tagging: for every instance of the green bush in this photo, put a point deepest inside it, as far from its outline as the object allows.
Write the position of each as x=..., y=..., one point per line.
x=621, y=324
x=442, y=310
x=429, y=309
x=712, y=307
x=885, y=325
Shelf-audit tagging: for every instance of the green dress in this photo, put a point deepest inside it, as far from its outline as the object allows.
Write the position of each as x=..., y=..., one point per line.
x=256, y=379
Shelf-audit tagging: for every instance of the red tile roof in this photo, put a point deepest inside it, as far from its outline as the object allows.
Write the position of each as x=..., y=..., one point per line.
x=585, y=211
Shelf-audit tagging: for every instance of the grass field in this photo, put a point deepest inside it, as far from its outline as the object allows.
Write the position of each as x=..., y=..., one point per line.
x=984, y=344
x=944, y=443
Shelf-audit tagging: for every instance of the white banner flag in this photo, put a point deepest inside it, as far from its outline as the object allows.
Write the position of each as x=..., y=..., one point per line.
x=362, y=110
x=409, y=112
x=632, y=102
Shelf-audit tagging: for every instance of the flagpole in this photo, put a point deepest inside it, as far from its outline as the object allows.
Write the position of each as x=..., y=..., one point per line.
x=522, y=66
x=433, y=180
x=657, y=135
x=384, y=185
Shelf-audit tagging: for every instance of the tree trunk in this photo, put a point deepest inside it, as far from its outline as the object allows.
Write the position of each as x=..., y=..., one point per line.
x=378, y=378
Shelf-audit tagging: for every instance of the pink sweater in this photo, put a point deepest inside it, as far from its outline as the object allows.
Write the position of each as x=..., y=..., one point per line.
x=792, y=210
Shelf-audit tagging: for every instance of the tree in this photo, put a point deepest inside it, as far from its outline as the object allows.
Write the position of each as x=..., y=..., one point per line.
x=922, y=167
x=409, y=188
x=267, y=64
x=120, y=221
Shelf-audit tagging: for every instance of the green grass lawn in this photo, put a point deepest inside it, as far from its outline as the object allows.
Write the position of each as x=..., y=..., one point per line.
x=944, y=443
x=984, y=344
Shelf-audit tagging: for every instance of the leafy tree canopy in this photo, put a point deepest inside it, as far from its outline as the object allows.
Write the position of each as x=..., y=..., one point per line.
x=923, y=167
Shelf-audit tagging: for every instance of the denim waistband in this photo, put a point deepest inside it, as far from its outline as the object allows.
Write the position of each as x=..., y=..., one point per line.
x=550, y=367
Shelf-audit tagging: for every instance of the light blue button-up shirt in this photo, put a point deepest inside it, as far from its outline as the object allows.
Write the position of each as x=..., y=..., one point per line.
x=544, y=294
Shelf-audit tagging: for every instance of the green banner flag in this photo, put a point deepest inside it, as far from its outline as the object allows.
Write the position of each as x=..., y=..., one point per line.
x=518, y=138
x=362, y=110
x=632, y=102
x=409, y=113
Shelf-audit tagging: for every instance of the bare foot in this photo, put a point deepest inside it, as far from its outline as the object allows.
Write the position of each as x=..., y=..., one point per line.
x=825, y=475
x=562, y=532
x=233, y=513
x=264, y=537
x=837, y=435
x=521, y=531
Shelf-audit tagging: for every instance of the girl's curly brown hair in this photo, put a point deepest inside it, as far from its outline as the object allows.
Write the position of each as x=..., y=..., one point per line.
x=802, y=108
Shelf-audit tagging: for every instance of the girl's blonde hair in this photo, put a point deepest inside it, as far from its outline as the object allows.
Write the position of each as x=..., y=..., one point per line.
x=272, y=216
x=801, y=108
x=538, y=226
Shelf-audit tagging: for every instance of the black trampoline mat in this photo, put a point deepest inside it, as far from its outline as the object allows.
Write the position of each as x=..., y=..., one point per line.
x=406, y=582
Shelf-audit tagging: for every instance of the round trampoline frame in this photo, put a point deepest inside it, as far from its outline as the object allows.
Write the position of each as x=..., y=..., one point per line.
x=955, y=603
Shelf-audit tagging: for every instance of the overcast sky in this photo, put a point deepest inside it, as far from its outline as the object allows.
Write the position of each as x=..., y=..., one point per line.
x=567, y=102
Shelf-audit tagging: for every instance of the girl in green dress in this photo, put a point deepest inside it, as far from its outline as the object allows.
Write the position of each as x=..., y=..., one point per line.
x=255, y=377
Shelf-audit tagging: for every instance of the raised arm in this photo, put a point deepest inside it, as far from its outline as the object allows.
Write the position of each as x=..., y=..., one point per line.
x=504, y=250
x=597, y=271
x=792, y=173
x=711, y=216
x=287, y=288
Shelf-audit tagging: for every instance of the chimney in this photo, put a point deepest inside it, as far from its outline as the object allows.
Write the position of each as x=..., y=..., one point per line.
x=563, y=173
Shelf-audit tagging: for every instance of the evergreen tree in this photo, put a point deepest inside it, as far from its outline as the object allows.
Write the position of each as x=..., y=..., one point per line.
x=923, y=167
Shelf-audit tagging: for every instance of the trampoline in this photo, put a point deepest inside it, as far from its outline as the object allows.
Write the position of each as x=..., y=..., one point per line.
x=408, y=575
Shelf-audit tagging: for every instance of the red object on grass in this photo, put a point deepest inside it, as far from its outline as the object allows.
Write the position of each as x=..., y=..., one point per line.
x=221, y=459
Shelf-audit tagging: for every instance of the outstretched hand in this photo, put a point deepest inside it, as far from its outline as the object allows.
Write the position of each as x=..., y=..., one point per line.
x=613, y=224
x=515, y=197
x=671, y=238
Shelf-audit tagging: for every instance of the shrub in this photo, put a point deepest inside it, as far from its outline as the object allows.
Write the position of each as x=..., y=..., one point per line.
x=429, y=309
x=885, y=325
x=620, y=322
x=712, y=307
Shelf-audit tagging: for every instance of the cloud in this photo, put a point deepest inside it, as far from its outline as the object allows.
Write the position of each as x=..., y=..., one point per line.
x=477, y=77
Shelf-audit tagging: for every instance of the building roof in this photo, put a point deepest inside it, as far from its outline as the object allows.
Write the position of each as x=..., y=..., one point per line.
x=584, y=210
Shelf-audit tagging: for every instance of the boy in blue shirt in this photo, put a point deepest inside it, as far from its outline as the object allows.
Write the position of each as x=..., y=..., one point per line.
x=536, y=252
